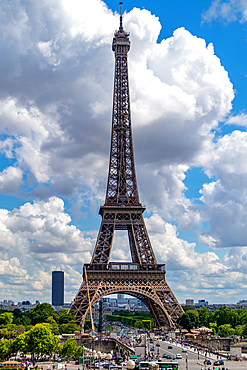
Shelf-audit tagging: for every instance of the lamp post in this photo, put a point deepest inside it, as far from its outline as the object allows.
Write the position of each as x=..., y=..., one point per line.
x=186, y=360
x=109, y=357
x=158, y=350
x=33, y=345
x=99, y=354
x=94, y=358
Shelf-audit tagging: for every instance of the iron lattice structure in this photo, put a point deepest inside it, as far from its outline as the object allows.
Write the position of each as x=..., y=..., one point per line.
x=143, y=278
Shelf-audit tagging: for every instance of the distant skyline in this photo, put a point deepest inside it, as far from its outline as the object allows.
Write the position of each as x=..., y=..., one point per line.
x=187, y=71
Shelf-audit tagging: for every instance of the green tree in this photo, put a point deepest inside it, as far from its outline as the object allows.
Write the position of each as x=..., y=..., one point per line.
x=203, y=316
x=41, y=313
x=39, y=339
x=138, y=324
x=7, y=334
x=87, y=324
x=189, y=320
x=64, y=317
x=5, y=349
x=79, y=351
x=227, y=315
x=213, y=326
x=239, y=330
x=69, y=328
x=54, y=325
x=69, y=348
x=20, y=344
x=225, y=330
x=244, y=332
x=6, y=319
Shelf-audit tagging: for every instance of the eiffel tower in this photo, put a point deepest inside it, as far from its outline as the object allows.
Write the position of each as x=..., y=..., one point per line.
x=144, y=278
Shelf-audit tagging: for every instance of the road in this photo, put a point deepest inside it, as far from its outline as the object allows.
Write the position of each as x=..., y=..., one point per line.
x=195, y=360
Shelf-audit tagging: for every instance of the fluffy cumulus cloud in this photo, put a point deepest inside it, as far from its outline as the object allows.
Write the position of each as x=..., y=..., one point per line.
x=36, y=239
x=225, y=200
x=197, y=271
x=56, y=101
x=55, y=116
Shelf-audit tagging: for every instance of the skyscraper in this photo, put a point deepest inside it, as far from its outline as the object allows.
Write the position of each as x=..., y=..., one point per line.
x=57, y=288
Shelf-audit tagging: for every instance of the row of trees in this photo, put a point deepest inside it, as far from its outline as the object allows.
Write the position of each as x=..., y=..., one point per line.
x=41, y=342
x=225, y=321
x=17, y=322
x=138, y=320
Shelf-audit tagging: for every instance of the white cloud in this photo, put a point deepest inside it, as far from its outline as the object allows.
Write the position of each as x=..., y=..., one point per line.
x=36, y=239
x=225, y=201
x=55, y=117
x=230, y=10
x=198, y=272
x=10, y=180
x=61, y=130
x=238, y=119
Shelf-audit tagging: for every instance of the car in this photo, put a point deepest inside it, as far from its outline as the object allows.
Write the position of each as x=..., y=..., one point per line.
x=157, y=345
x=218, y=362
x=207, y=362
x=169, y=347
x=169, y=357
x=184, y=349
x=178, y=356
x=164, y=356
x=152, y=349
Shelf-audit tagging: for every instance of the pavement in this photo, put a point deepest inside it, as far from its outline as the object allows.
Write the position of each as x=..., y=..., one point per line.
x=191, y=365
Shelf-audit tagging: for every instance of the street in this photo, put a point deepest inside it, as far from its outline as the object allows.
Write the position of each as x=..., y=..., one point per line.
x=195, y=360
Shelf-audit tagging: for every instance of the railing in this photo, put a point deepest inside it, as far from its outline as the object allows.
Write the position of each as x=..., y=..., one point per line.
x=125, y=266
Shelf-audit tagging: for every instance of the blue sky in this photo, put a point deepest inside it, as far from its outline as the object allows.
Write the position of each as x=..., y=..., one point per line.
x=187, y=71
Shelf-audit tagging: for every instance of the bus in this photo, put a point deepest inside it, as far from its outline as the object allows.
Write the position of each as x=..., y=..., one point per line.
x=168, y=365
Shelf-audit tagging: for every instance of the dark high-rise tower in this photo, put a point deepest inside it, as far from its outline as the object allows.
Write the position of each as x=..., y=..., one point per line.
x=143, y=278
x=57, y=288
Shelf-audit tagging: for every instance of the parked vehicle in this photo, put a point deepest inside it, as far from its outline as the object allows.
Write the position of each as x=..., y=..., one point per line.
x=218, y=362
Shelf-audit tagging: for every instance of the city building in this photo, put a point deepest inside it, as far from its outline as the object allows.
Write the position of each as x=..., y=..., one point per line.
x=201, y=303
x=189, y=302
x=57, y=288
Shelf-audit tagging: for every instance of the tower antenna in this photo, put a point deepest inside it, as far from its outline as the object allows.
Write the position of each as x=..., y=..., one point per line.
x=121, y=16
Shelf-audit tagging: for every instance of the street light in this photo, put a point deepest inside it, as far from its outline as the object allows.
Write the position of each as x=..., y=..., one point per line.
x=99, y=354
x=94, y=358
x=186, y=361
x=158, y=350
x=109, y=357
x=33, y=345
